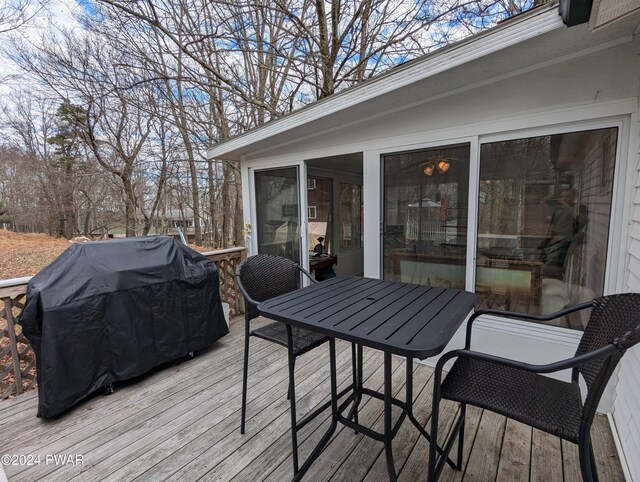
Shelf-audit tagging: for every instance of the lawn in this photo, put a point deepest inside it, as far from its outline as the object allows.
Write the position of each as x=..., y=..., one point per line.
x=26, y=254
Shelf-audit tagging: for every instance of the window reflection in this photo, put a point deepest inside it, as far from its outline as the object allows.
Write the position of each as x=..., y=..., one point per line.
x=350, y=217
x=425, y=216
x=278, y=226
x=543, y=221
x=319, y=225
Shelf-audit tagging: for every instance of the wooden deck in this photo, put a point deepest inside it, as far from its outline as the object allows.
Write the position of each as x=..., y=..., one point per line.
x=182, y=423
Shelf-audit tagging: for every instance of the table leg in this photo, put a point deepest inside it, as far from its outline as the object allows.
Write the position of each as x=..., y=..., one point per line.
x=360, y=369
x=409, y=400
x=356, y=368
x=334, y=415
x=388, y=427
x=360, y=376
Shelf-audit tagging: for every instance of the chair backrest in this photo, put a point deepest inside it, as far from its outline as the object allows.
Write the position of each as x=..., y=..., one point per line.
x=614, y=319
x=264, y=277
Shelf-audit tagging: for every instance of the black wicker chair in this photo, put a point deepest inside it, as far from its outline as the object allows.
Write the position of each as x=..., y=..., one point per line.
x=261, y=278
x=519, y=391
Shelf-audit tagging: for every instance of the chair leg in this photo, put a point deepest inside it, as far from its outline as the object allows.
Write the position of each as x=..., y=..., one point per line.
x=431, y=473
x=292, y=400
x=463, y=413
x=586, y=464
x=245, y=375
x=594, y=465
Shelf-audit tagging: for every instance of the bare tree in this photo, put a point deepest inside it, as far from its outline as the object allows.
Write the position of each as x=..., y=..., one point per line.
x=17, y=13
x=158, y=82
x=46, y=187
x=115, y=128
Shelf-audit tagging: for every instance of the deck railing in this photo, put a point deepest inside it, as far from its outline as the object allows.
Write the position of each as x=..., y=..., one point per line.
x=17, y=359
x=227, y=260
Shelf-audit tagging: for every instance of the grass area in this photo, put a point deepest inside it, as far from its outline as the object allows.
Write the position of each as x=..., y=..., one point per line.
x=26, y=254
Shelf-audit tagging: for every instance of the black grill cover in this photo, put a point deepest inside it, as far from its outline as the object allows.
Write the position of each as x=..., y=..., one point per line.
x=109, y=311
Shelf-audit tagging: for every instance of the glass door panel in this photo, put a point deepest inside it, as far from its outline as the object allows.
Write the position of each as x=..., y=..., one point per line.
x=425, y=216
x=278, y=212
x=543, y=221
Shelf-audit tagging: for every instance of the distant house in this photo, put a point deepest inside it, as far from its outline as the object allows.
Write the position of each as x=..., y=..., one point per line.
x=506, y=164
x=169, y=223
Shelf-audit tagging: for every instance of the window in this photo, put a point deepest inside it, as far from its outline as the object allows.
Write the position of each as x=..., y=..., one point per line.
x=425, y=216
x=543, y=221
x=311, y=212
x=311, y=183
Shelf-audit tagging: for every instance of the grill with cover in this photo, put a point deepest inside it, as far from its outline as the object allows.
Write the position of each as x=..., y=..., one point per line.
x=109, y=311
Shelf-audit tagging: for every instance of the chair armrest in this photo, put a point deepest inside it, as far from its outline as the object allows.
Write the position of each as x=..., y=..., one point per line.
x=603, y=352
x=524, y=316
x=307, y=274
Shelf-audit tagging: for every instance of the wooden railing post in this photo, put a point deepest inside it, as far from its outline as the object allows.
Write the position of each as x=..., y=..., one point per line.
x=227, y=260
x=17, y=359
x=13, y=343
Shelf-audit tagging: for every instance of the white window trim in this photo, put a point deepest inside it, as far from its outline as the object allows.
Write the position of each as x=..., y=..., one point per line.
x=309, y=208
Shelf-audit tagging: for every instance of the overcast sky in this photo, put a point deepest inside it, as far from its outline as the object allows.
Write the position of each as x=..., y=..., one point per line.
x=57, y=14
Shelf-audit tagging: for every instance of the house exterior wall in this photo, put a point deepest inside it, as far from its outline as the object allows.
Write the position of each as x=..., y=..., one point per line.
x=627, y=392
x=601, y=87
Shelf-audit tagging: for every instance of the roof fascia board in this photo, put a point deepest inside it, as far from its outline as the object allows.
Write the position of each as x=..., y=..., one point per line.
x=481, y=45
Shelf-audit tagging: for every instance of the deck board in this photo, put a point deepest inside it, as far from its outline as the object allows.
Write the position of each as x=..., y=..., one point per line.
x=546, y=457
x=182, y=423
x=515, y=457
x=487, y=447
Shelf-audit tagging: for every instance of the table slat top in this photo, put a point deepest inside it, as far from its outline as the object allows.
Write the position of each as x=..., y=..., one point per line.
x=404, y=319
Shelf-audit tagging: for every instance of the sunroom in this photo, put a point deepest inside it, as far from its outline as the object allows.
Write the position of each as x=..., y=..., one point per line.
x=505, y=164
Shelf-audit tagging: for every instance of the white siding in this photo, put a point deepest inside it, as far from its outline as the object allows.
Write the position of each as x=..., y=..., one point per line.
x=627, y=394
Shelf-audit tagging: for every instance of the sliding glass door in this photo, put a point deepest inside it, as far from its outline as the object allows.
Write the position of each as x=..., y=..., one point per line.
x=542, y=227
x=425, y=216
x=543, y=221
x=278, y=212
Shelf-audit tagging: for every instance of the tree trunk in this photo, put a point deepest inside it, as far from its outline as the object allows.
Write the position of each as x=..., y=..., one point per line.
x=227, y=205
x=147, y=226
x=67, y=200
x=129, y=207
x=195, y=198
x=212, y=203
x=239, y=220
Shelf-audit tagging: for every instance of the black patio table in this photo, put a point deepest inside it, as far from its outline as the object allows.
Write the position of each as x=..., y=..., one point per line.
x=397, y=318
